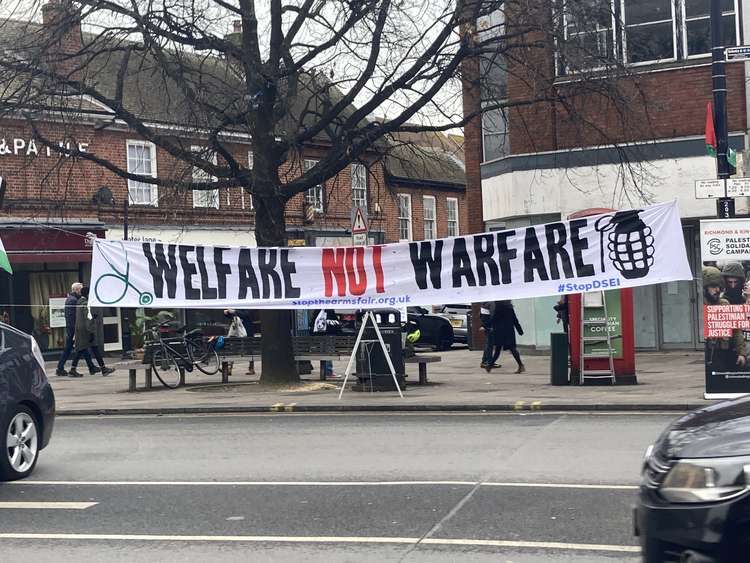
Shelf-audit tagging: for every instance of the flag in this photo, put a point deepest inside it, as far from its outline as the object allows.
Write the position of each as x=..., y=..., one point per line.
x=711, y=139
x=710, y=131
x=4, y=262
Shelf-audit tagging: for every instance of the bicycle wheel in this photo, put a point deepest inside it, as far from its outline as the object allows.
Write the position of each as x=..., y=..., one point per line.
x=204, y=357
x=165, y=367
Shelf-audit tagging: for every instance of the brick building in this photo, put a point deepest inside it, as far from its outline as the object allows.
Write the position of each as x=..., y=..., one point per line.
x=539, y=162
x=52, y=201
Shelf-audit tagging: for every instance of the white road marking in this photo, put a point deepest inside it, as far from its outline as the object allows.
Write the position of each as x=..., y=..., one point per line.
x=328, y=484
x=325, y=539
x=48, y=505
x=564, y=486
x=62, y=416
x=535, y=545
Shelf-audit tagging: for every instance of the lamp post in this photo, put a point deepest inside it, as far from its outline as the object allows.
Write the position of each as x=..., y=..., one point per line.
x=104, y=196
x=127, y=345
x=725, y=205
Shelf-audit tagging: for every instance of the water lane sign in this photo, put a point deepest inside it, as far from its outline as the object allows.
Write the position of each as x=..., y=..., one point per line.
x=738, y=187
x=740, y=53
x=709, y=189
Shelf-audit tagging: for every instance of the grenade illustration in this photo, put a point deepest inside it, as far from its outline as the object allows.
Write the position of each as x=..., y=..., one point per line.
x=630, y=243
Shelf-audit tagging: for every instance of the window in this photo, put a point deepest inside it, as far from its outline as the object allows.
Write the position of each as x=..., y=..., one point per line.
x=204, y=198
x=639, y=31
x=404, y=217
x=359, y=186
x=452, y=204
x=142, y=161
x=428, y=205
x=314, y=196
x=650, y=31
x=697, y=40
x=495, y=139
x=588, y=31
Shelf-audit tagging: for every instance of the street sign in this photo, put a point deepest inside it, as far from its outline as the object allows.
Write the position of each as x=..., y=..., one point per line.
x=725, y=208
x=738, y=187
x=359, y=221
x=741, y=53
x=709, y=189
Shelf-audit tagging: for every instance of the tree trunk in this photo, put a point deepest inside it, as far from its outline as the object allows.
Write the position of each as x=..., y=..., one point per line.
x=279, y=367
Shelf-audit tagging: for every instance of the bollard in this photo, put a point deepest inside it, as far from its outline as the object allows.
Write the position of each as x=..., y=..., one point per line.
x=131, y=381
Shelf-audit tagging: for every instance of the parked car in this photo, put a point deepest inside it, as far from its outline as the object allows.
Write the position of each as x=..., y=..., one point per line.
x=457, y=315
x=27, y=404
x=435, y=330
x=694, y=501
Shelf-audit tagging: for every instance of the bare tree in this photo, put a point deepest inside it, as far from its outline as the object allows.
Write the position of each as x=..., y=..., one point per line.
x=289, y=74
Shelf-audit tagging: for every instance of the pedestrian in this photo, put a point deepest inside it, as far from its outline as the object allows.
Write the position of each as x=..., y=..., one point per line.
x=485, y=316
x=242, y=322
x=723, y=355
x=89, y=335
x=326, y=323
x=71, y=302
x=504, y=327
x=733, y=275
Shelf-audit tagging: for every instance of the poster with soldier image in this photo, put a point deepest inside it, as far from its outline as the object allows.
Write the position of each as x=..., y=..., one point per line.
x=725, y=256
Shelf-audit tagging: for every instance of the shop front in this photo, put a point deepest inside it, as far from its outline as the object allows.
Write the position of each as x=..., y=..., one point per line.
x=47, y=258
x=175, y=234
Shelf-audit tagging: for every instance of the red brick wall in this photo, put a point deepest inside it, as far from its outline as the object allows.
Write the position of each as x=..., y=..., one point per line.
x=42, y=186
x=390, y=211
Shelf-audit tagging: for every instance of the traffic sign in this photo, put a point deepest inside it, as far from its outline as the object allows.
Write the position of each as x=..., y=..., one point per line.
x=738, y=187
x=359, y=239
x=740, y=53
x=359, y=221
x=709, y=189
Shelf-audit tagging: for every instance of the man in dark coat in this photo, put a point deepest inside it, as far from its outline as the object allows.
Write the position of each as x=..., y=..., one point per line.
x=89, y=334
x=71, y=303
x=485, y=315
x=504, y=327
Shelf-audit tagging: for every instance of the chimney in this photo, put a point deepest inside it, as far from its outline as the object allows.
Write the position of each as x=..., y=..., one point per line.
x=62, y=28
x=237, y=26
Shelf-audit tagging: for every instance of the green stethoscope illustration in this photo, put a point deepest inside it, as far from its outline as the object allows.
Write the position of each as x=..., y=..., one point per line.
x=144, y=298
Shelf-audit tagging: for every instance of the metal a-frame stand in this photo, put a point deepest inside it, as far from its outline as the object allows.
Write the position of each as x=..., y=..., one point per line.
x=369, y=315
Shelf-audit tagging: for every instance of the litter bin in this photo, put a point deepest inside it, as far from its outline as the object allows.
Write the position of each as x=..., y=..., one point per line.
x=559, y=358
x=373, y=373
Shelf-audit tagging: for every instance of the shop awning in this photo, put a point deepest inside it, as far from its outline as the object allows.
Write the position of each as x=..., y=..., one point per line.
x=35, y=241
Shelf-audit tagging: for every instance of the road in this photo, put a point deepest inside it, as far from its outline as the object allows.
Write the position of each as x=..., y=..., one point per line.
x=286, y=487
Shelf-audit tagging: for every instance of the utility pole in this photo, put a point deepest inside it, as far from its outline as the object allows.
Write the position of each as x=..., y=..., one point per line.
x=724, y=205
x=127, y=345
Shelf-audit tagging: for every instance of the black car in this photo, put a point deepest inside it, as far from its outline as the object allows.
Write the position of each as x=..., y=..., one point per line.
x=694, y=501
x=27, y=404
x=435, y=330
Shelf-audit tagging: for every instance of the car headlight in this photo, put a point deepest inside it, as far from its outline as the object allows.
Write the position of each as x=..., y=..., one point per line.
x=37, y=352
x=706, y=480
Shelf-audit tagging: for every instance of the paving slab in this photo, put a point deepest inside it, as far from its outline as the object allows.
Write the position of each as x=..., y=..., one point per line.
x=668, y=381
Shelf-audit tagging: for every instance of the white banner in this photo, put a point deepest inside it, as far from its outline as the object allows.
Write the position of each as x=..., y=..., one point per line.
x=614, y=250
x=725, y=239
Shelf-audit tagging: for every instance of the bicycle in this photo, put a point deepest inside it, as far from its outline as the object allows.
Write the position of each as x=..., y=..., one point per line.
x=171, y=356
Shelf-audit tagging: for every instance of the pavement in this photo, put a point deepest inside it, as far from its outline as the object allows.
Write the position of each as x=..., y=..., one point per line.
x=667, y=381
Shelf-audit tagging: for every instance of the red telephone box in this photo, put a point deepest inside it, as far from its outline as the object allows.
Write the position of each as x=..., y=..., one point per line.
x=620, y=325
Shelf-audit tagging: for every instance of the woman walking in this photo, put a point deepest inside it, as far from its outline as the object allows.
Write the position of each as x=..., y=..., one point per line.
x=90, y=331
x=504, y=327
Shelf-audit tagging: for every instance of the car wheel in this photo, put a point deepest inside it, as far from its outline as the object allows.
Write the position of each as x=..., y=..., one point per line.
x=445, y=339
x=19, y=443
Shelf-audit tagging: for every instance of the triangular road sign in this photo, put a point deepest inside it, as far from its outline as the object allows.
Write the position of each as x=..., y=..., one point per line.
x=359, y=223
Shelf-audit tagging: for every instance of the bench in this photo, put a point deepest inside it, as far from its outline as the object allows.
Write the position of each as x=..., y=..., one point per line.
x=422, y=361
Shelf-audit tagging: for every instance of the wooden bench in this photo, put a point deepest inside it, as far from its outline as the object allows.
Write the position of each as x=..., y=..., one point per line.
x=320, y=348
x=422, y=362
